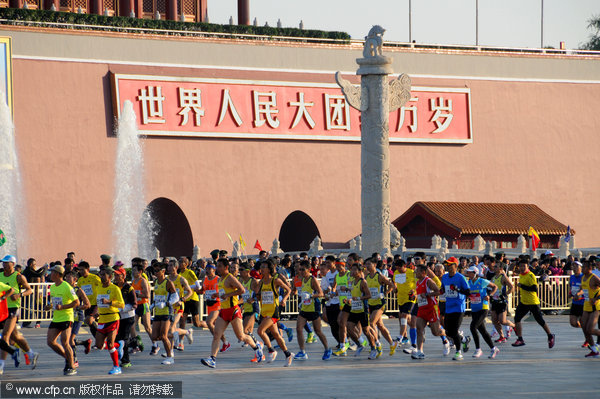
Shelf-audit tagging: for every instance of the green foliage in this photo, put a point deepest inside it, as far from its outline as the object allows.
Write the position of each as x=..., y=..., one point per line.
x=594, y=42
x=14, y=15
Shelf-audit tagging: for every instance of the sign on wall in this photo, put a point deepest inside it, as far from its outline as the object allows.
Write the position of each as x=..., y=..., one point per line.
x=230, y=108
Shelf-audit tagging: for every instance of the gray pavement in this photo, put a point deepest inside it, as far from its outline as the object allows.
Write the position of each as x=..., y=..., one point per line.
x=529, y=371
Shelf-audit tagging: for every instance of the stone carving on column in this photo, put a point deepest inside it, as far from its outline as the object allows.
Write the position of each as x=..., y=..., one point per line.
x=236, y=252
x=315, y=247
x=375, y=98
x=395, y=237
x=196, y=253
x=521, y=244
x=478, y=243
x=275, y=249
x=436, y=242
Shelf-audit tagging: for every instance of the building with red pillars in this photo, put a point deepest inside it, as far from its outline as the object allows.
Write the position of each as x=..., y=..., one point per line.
x=252, y=137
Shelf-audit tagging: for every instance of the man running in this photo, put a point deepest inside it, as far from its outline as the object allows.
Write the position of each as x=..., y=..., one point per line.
x=359, y=295
x=578, y=301
x=405, y=285
x=63, y=301
x=499, y=301
x=378, y=285
x=310, y=310
x=342, y=287
x=89, y=282
x=9, y=331
x=213, y=304
x=142, y=310
x=165, y=295
x=228, y=290
x=109, y=301
x=426, y=292
x=192, y=305
x=185, y=292
x=590, y=290
x=456, y=287
x=84, y=303
x=127, y=315
x=481, y=289
x=529, y=302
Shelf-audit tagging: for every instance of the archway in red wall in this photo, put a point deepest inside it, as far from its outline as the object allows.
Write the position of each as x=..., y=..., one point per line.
x=172, y=232
x=297, y=231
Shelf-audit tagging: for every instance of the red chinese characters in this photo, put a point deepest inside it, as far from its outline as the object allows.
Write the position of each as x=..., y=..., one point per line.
x=282, y=110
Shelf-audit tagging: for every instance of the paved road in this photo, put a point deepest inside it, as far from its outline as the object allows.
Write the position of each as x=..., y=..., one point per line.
x=532, y=371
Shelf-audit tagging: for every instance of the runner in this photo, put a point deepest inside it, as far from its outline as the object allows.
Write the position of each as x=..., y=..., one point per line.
x=10, y=333
x=109, y=301
x=229, y=288
x=250, y=308
x=310, y=310
x=377, y=284
x=499, y=301
x=89, y=282
x=578, y=301
x=481, y=289
x=213, y=304
x=184, y=292
x=63, y=301
x=84, y=303
x=332, y=305
x=142, y=310
x=127, y=315
x=192, y=305
x=165, y=295
x=267, y=292
x=529, y=302
x=358, y=309
x=590, y=290
x=297, y=291
x=455, y=286
x=5, y=292
x=426, y=291
x=342, y=287
x=404, y=279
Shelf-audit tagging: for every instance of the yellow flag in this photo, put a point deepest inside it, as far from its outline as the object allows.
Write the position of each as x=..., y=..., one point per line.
x=228, y=236
x=242, y=242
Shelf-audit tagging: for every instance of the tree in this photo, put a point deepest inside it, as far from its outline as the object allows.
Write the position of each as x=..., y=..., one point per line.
x=594, y=42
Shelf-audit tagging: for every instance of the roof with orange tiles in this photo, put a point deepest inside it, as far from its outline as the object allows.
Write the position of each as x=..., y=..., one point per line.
x=490, y=218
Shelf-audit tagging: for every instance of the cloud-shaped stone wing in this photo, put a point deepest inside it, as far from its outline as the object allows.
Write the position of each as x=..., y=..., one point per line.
x=399, y=91
x=356, y=97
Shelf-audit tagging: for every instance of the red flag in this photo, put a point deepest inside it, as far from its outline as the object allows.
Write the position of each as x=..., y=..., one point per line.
x=257, y=246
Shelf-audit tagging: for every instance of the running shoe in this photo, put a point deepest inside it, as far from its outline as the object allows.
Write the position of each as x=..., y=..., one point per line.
x=593, y=352
x=190, y=336
x=493, y=353
x=139, y=342
x=518, y=342
x=255, y=359
x=38, y=325
x=16, y=357
x=458, y=356
x=551, y=341
x=34, y=360
x=301, y=356
x=342, y=352
x=88, y=346
x=327, y=354
x=478, y=352
x=225, y=346
x=501, y=340
x=585, y=344
x=288, y=360
x=75, y=364
x=418, y=355
x=358, y=351
x=405, y=340
x=310, y=338
x=27, y=360
x=155, y=350
x=259, y=353
x=410, y=350
x=168, y=361
x=379, y=350
x=446, y=348
x=352, y=346
x=494, y=334
x=509, y=331
x=394, y=347
x=271, y=357
x=465, y=343
x=120, y=348
x=135, y=350
x=209, y=362
x=115, y=370
x=290, y=334
x=180, y=347
x=364, y=343
x=372, y=355
x=71, y=371
x=126, y=365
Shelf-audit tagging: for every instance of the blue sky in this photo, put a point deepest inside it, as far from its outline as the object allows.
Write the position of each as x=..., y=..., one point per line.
x=505, y=23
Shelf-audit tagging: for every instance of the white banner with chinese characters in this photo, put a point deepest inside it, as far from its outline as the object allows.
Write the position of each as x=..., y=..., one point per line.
x=231, y=108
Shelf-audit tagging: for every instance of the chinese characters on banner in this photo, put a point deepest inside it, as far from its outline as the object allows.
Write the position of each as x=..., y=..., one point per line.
x=171, y=106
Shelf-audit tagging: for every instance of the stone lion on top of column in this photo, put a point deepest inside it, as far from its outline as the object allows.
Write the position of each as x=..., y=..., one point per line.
x=374, y=42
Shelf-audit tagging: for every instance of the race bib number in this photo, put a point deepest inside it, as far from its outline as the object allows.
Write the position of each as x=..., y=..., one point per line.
x=221, y=293
x=400, y=278
x=357, y=304
x=87, y=289
x=343, y=294
x=574, y=290
x=246, y=296
x=267, y=297
x=475, y=298
x=306, y=299
x=158, y=299
x=56, y=301
x=496, y=295
x=137, y=293
x=586, y=295
x=422, y=300
x=450, y=293
x=99, y=299
x=208, y=295
x=374, y=292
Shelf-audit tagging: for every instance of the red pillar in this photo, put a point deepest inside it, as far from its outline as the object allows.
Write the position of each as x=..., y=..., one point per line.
x=96, y=7
x=125, y=7
x=243, y=12
x=139, y=8
x=172, y=10
x=202, y=10
x=47, y=5
x=15, y=3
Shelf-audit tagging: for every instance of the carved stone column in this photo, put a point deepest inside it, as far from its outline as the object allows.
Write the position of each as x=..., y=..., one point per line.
x=375, y=98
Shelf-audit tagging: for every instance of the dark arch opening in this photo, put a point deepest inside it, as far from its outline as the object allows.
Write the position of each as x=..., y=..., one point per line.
x=172, y=232
x=297, y=232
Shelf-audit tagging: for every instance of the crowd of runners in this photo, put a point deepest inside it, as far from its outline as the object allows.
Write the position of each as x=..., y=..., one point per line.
x=348, y=294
